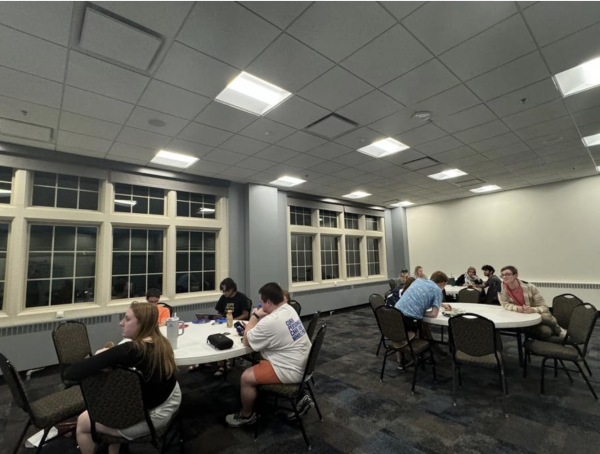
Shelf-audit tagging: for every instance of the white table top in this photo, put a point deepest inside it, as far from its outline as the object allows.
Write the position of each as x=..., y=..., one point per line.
x=502, y=318
x=453, y=289
x=193, y=349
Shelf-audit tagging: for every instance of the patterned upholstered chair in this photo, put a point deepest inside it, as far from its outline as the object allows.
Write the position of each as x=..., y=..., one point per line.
x=574, y=348
x=45, y=412
x=468, y=295
x=71, y=343
x=376, y=301
x=293, y=392
x=296, y=305
x=114, y=399
x=475, y=342
x=562, y=309
x=397, y=339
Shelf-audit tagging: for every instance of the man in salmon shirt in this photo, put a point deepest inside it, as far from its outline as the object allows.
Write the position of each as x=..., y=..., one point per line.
x=520, y=296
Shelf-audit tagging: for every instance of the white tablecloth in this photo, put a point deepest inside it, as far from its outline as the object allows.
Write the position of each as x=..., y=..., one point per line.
x=502, y=318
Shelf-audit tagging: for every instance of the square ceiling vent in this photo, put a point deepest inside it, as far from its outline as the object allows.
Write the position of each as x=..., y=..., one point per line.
x=419, y=164
x=331, y=126
x=466, y=181
x=118, y=39
x=22, y=130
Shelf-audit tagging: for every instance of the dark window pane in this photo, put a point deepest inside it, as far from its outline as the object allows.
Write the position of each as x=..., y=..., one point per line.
x=196, y=241
x=183, y=241
x=195, y=210
x=39, y=266
x=155, y=240
x=123, y=189
x=182, y=283
x=155, y=192
x=138, y=286
x=121, y=239
x=6, y=173
x=141, y=205
x=62, y=291
x=86, y=265
x=89, y=184
x=183, y=209
x=209, y=281
x=209, y=262
x=1, y=295
x=66, y=198
x=154, y=281
x=5, y=192
x=37, y=293
x=62, y=265
x=182, y=261
x=88, y=200
x=196, y=261
x=122, y=208
x=157, y=206
x=45, y=178
x=195, y=282
x=183, y=196
x=2, y=266
x=84, y=290
x=155, y=262
x=140, y=190
x=139, y=240
x=209, y=241
x=138, y=263
x=43, y=197
x=67, y=181
x=120, y=287
x=64, y=238
x=86, y=239
x=120, y=263
x=3, y=236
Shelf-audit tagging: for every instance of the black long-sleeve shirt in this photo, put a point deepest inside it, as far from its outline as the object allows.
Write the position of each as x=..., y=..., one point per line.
x=154, y=390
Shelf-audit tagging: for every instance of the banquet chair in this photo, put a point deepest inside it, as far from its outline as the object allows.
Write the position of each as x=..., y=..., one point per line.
x=312, y=325
x=43, y=413
x=397, y=340
x=574, y=348
x=392, y=283
x=562, y=309
x=376, y=301
x=168, y=307
x=468, y=295
x=475, y=342
x=72, y=344
x=293, y=392
x=249, y=308
x=114, y=398
x=296, y=305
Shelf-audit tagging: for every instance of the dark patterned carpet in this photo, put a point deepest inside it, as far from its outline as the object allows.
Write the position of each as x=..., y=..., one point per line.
x=362, y=415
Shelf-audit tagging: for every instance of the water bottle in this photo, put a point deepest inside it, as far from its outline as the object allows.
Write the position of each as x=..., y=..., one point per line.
x=229, y=319
x=174, y=331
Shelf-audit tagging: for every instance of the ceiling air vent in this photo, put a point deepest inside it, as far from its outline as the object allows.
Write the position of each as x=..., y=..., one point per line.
x=419, y=164
x=465, y=181
x=22, y=130
x=331, y=127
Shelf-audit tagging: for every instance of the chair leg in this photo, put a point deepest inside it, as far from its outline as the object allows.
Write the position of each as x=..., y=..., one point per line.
x=566, y=370
x=379, y=346
x=312, y=395
x=520, y=347
x=543, y=370
x=432, y=359
x=414, y=382
x=383, y=366
x=459, y=377
x=258, y=411
x=555, y=368
x=525, y=367
x=586, y=380
x=453, y=384
x=18, y=446
x=299, y=419
x=587, y=367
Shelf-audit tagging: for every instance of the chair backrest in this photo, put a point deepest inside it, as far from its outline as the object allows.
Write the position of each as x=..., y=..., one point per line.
x=249, y=307
x=562, y=308
x=312, y=326
x=472, y=334
x=392, y=283
x=468, y=295
x=376, y=301
x=15, y=384
x=581, y=326
x=313, y=356
x=391, y=324
x=296, y=305
x=168, y=307
x=71, y=343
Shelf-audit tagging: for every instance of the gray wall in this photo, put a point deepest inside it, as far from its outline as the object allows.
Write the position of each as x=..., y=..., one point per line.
x=399, y=239
x=238, y=218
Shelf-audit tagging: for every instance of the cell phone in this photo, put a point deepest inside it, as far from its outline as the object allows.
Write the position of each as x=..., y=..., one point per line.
x=239, y=328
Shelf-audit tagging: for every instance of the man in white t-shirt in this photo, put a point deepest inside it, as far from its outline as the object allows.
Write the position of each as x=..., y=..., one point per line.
x=276, y=331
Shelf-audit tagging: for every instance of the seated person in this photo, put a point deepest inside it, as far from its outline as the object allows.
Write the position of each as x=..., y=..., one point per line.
x=153, y=296
x=276, y=331
x=398, y=291
x=493, y=285
x=419, y=274
x=150, y=353
x=520, y=296
x=403, y=276
x=469, y=279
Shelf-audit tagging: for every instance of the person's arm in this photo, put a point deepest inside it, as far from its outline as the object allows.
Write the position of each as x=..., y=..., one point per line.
x=538, y=304
x=507, y=303
x=254, y=319
x=460, y=281
x=119, y=355
x=433, y=313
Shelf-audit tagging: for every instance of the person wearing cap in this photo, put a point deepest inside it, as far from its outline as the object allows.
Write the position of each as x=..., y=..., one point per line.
x=403, y=276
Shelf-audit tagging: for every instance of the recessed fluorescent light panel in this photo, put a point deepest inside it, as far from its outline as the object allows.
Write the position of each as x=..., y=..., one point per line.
x=252, y=94
x=170, y=159
x=357, y=195
x=580, y=78
x=127, y=203
x=287, y=182
x=404, y=203
x=447, y=174
x=383, y=148
x=591, y=141
x=488, y=188
x=598, y=168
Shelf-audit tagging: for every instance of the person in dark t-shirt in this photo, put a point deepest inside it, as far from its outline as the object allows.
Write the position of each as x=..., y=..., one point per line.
x=232, y=300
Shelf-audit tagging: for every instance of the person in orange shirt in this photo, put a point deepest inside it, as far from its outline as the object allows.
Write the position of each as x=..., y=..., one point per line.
x=153, y=296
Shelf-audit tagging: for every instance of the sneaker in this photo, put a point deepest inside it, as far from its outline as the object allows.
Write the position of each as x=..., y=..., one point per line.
x=562, y=334
x=303, y=406
x=406, y=365
x=237, y=420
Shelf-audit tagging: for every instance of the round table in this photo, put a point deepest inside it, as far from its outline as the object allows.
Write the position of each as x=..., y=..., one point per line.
x=192, y=347
x=502, y=318
x=453, y=289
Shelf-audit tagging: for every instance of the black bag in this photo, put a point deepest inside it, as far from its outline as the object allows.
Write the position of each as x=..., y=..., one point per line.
x=219, y=341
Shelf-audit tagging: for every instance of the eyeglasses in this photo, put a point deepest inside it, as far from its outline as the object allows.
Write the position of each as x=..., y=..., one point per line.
x=506, y=274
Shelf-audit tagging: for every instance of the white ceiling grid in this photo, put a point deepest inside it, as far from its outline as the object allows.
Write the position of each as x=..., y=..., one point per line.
x=483, y=70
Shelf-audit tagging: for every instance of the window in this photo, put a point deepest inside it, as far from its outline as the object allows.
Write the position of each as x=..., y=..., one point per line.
x=330, y=264
x=353, y=256
x=61, y=266
x=3, y=247
x=5, y=186
x=193, y=205
x=372, y=222
x=351, y=221
x=302, y=260
x=139, y=199
x=300, y=216
x=196, y=261
x=137, y=263
x=328, y=219
x=373, y=256
x=64, y=191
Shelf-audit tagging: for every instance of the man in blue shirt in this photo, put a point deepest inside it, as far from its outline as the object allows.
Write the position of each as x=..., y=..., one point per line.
x=422, y=295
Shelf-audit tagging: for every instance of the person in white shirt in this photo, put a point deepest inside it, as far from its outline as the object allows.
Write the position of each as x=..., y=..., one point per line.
x=276, y=331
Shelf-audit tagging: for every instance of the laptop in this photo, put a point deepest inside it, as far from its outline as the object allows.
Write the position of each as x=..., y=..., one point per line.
x=206, y=317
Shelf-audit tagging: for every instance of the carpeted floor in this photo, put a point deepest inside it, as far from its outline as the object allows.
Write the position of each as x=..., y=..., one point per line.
x=362, y=415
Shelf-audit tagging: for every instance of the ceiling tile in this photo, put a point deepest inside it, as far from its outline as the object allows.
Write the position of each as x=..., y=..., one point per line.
x=373, y=165
x=525, y=98
x=556, y=127
x=354, y=159
x=370, y=108
x=349, y=173
x=453, y=155
x=224, y=157
x=496, y=46
x=73, y=140
x=195, y=132
x=138, y=154
x=191, y=148
x=396, y=123
x=80, y=152
x=423, y=82
x=227, y=31
x=481, y=132
x=289, y=64
x=172, y=100
x=281, y=14
x=39, y=115
x=140, y=118
x=23, y=86
x=509, y=77
x=572, y=50
x=338, y=29
x=430, y=23
x=583, y=100
x=439, y=145
x=508, y=150
x=97, y=106
x=335, y=89
x=236, y=174
x=206, y=168
x=225, y=117
x=256, y=164
x=360, y=138
x=404, y=157
x=189, y=69
x=297, y=113
x=47, y=20
x=585, y=117
x=466, y=119
x=305, y=161
x=495, y=142
x=388, y=56
x=449, y=102
x=422, y=134
x=32, y=55
x=286, y=169
x=89, y=126
x=329, y=167
x=276, y=154
x=141, y=138
x=301, y=141
x=538, y=114
x=267, y=130
x=103, y=78
x=569, y=135
x=330, y=151
x=401, y=9
x=243, y=145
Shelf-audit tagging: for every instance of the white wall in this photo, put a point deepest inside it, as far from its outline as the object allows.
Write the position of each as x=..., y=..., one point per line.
x=550, y=233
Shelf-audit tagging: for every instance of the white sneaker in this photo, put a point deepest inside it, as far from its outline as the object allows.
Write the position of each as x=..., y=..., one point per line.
x=237, y=420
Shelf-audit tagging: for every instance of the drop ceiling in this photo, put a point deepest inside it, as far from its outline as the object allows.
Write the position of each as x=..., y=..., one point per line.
x=483, y=70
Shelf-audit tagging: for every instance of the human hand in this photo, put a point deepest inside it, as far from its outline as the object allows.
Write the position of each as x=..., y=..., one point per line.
x=100, y=351
x=260, y=312
x=447, y=306
x=527, y=310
